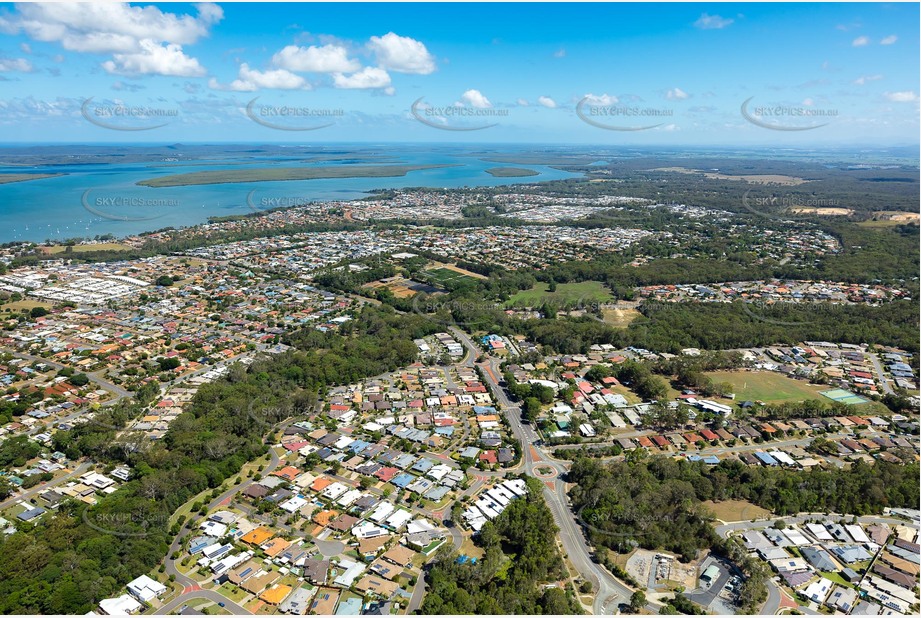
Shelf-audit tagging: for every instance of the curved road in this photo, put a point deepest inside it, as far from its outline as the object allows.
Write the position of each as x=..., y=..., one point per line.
x=192, y=589
x=772, y=605
x=188, y=597
x=610, y=592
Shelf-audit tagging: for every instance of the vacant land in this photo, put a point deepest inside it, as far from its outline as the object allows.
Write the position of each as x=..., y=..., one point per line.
x=758, y=179
x=736, y=510
x=619, y=316
x=891, y=218
x=583, y=293
x=511, y=172
x=441, y=276
x=266, y=174
x=824, y=212
x=103, y=246
x=19, y=305
x=8, y=178
x=401, y=287
x=458, y=269
x=767, y=386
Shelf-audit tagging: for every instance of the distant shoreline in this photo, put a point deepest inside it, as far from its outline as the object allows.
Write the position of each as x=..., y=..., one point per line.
x=270, y=174
x=6, y=179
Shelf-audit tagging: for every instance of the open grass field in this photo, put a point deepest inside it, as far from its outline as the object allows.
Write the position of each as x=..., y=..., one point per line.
x=767, y=386
x=443, y=275
x=762, y=179
x=736, y=510
x=19, y=305
x=103, y=246
x=584, y=292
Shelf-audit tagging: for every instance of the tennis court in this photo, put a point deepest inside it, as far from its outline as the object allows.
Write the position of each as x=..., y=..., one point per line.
x=843, y=396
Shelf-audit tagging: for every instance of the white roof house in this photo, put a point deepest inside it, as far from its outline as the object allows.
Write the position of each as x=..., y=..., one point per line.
x=399, y=519
x=818, y=590
x=382, y=512
x=145, y=589
x=120, y=606
x=213, y=528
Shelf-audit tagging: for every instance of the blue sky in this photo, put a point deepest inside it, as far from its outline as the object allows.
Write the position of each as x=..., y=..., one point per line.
x=587, y=73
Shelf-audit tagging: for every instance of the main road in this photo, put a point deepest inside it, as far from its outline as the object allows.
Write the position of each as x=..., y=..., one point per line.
x=610, y=592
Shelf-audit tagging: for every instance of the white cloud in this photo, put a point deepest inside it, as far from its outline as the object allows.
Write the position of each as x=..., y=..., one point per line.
x=889, y=40
x=905, y=96
x=602, y=99
x=313, y=59
x=155, y=59
x=475, y=98
x=863, y=79
x=109, y=27
x=26, y=48
x=676, y=94
x=15, y=64
x=522, y=102
x=860, y=41
x=712, y=22
x=368, y=77
x=402, y=54
x=250, y=80
x=143, y=40
x=560, y=53
x=546, y=102
x=808, y=102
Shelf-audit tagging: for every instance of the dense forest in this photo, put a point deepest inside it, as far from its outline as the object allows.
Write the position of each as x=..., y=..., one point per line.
x=70, y=560
x=656, y=502
x=670, y=327
x=519, y=554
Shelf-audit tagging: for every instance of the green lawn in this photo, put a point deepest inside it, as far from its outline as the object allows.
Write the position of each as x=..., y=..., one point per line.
x=443, y=275
x=232, y=592
x=836, y=577
x=767, y=386
x=585, y=292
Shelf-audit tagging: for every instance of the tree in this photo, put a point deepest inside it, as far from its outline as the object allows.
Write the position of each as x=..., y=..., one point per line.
x=79, y=379
x=38, y=312
x=167, y=364
x=637, y=601
x=532, y=408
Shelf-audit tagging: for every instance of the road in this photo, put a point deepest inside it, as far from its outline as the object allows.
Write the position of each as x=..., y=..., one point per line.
x=94, y=377
x=187, y=597
x=774, y=594
x=610, y=592
x=878, y=366
x=29, y=493
x=171, y=569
